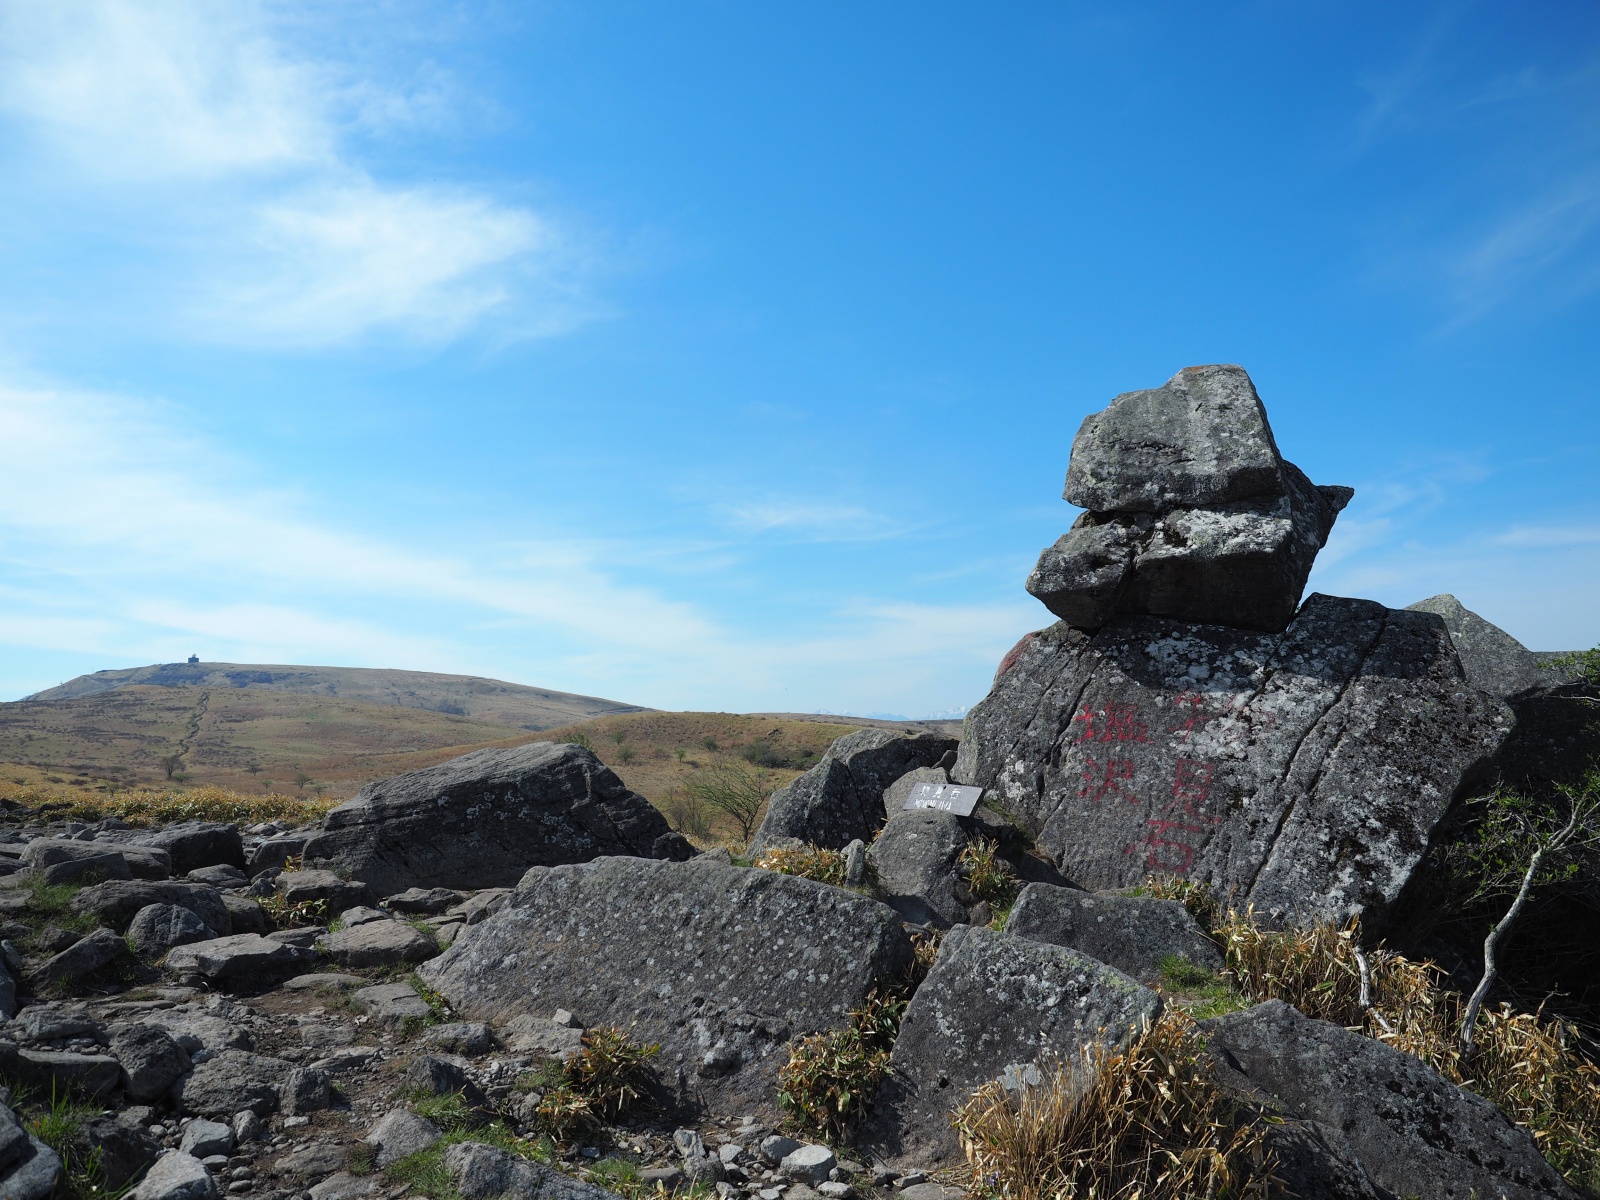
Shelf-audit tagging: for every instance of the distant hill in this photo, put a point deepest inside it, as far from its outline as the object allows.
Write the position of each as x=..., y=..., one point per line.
x=509, y=704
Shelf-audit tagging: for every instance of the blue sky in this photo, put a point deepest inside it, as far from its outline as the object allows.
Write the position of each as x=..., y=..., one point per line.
x=728, y=356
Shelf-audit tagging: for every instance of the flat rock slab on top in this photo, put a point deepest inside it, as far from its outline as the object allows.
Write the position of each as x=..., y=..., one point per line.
x=1134, y=934
x=1201, y=438
x=720, y=965
x=993, y=1007
x=483, y=819
x=1301, y=773
x=1416, y=1133
x=842, y=797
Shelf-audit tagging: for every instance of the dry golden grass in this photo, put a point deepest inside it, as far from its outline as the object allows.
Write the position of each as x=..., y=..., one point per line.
x=1146, y=1123
x=808, y=862
x=151, y=806
x=1531, y=1066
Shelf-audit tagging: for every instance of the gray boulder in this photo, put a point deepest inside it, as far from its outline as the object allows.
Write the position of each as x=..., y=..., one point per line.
x=54, y=1022
x=841, y=798
x=379, y=943
x=720, y=965
x=8, y=991
x=483, y=819
x=391, y=1003
x=234, y=1080
x=1201, y=438
x=245, y=915
x=423, y=901
x=241, y=956
x=482, y=1172
x=1302, y=773
x=123, y=1149
x=401, y=1133
x=1415, y=1132
x=1494, y=661
x=151, y=1060
x=435, y=1076
x=326, y=887
x=84, y=957
x=116, y=902
x=157, y=928
x=176, y=1176
x=62, y=861
x=96, y=1075
x=460, y=1037
x=1131, y=933
x=220, y=875
x=203, y=1138
x=192, y=845
x=29, y=1170
x=993, y=1007
x=915, y=859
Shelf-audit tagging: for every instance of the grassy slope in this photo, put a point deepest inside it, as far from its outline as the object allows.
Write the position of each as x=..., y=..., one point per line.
x=116, y=738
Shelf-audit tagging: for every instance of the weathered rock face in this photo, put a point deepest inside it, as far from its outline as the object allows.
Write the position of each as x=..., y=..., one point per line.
x=1494, y=661
x=915, y=858
x=1192, y=514
x=721, y=965
x=842, y=797
x=992, y=1007
x=1302, y=773
x=483, y=819
x=1131, y=933
x=1416, y=1133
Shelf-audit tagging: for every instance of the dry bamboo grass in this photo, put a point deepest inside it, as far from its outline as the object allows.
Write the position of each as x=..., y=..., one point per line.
x=805, y=861
x=148, y=806
x=1146, y=1123
x=1530, y=1065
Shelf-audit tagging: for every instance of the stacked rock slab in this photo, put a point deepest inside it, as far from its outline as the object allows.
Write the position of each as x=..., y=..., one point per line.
x=720, y=965
x=1301, y=773
x=1183, y=717
x=483, y=819
x=1192, y=512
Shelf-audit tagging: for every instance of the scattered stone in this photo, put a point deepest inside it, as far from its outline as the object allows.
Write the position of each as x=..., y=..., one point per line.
x=34, y=1170
x=423, y=901
x=219, y=875
x=240, y=956
x=808, y=1164
x=151, y=1060
x=8, y=980
x=915, y=860
x=841, y=798
x=196, y=844
x=362, y=915
x=53, y=1023
x=204, y=1138
x=233, y=1080
x=855, y=863
x=176, y=1176
x=666, y=1178
x=1131, y=933
x=122, y=1149
x=502, y=811
x=688, y=1143
x=1415, y=1132
x=311, y=1164
x=1300, y=774
x=246, y=915
x=931, y=1191
x=482, y=1172
x=84, y=957
x=115, y=902
x=391, y=1003
x=329, y=979
x=344, y=1186
x=157, y=928
x=247, y=1127
x=275, y=852
x=460, y=1037
x=102, y=865
x=776, y=1148
x=308, y=887
x=527, y=1034
x=991, y=1008
x=305, y=937
x=196, y=1031
x=768, y=957
x=378, y=944
x=401, y=1133
x=435, y=1076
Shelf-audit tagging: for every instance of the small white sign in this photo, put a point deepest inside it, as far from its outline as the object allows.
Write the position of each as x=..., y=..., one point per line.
x=950, y=797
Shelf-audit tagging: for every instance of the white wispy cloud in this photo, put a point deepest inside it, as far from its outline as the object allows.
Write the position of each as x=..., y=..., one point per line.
x=809, y=519
x=224, y=146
